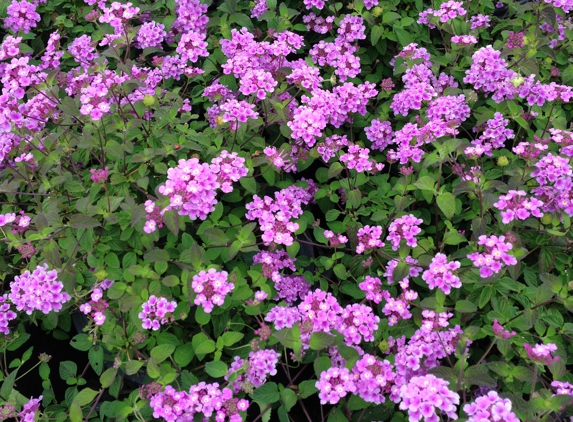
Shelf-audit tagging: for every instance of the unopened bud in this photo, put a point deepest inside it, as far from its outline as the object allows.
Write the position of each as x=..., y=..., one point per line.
x=377, y=11
x=518, y=80
x=148, y=100
x=502, y=161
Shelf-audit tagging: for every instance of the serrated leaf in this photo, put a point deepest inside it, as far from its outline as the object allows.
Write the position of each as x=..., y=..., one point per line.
x=132, y=366
x=216, y=237
x=231, y=337
x=162, y=352
x=447, y=204
x=85, y=396
x=216, y=369
x=401, y=271
x=320, y=340
x=307, y=388
x=157, y=255
x=184, y=354
x=465, y=306
x=68, y=369
x=82, y=221
x=425, y=183
x=95, y=356
x=81, y=342
x=107, y=377
x=288, y=398
x=267, y=393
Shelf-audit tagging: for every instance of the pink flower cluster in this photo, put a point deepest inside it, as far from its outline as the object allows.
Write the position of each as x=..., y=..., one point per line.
x=151, y=34
x=334, y=384
x=291, y=288
x=97, y=305
x=38, y=290
x=515, y=205
x=280, y=159
x=206, y=399
x=464, y=40
x=379, y=133
x=500, y=332
x=491, y=261
x=192, y=187
x=563, y=388
x=6, y=314
x=358, y=158
x=237, y=112
x=156, y=312
x=493, y=137
x=373, y=288
x=541, y=354
x=369, y=239
x=426, y=397
x=99, y=175
x=490, y=407
x=192, y=46
x=275, y=215
x=273, y=262
x=22, y=16
x=373, y=378
x=211, y=287
x=448, y=10
x=254, y=372
x=413, y=271
x=406, y=228
x=257, y=81
x=441, y=274
x=357, y=323
x=335, y=239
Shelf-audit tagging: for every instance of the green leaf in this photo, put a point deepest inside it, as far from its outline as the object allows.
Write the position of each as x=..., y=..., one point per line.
x=376, y=34
x=82, y=221
x=216, y=369
x=465, y=306
x=425, y=183
x=202, y=344
x=201, y=316
x=307, y=388
x=95, y=356
x=267, y=393
x=336, y=415
x=354, y=198
x=485, y=296
x=357, y=403
x=162, y=352
x=401, y=271
x=332, y=215
x=184, y=354
x=153, y=368
x=76, y=414
x=132, y=366
x=288, y=398
x=216, y=237
x=85, y=396
x=157, y=255
x=171, y=220
x=231, y=337
x=108, y=377
x=447, y=203
x=81, y=342
x=68, y=369
x=8, y=385
x=320, y=340
x=249, y=184
x=18, y=341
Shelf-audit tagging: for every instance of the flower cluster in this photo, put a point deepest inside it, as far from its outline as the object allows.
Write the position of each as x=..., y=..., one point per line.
x=406, y=228
x=493, y=137
x=373, y=378
x=440, y=274
x=357, y=323
x=156, y=312
x=38, y=290
x=335, y=239
x=275, y=215
x=464, y=39
x=500, y=332
x=359, y=159
x=334, y=384
x=490, y=407
x=413, y=271
x=425, y=397
x=6, y=314
x=203, y=398
x=212, y=287
x=448, y=10
x=236, y=112
x=373, y=288
x=515, y=205
x=541, y=354
x=291, y=288
x=151, y=34
x=22, y=16
x=99, y=175
x=379, y=133
x=369, y=239
x=496, y=254
x=192, y=187
x=257, y=81
x=563, y=388
x=97, y=305
x=259, y=366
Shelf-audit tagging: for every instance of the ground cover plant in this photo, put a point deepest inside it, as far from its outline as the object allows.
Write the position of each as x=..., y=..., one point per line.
x=286, y=211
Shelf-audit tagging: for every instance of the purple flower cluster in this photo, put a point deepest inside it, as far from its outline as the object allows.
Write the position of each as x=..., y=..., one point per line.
x=464, y=40
x=30, y=410
x=515, y=205
x=206, y=399
x=541, y=354
x=331, y=145
x=496, y=254
x=563, y=388
x=494, y=136
x=335, y=239
x=372, y=286
x=99, y=175
x=369, y=239
x=291, y=288
x=480, y=21
x=275, y=215
x=413, y=271
x=318, y=24
x=156, y=312
x=22, y=16
x=448, y=10
x=379, y=133
x=151, y=34
x=191, y=46
x=334, y=384
x=6, y=314
x=397, y=309
x=500, y=332
x=211, y=287
x=406, y=228
x=97, y=305
x=441, y=274
x=490, y=407
x=373, y=378
x=358, y=323
x=257, y=81
x=192, y=187
x=425, y=397
x=273, y=262
x=358, y=158
x=38, y=290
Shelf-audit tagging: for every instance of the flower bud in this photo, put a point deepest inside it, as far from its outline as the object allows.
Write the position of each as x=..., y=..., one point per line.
x=502, y=161
x=377, y=11
x=148, y=100
x=546, y=219
x=101, y=275
x=518, y=80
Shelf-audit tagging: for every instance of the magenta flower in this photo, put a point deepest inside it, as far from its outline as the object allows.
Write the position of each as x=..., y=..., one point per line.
x=501, y=332
x=541, y=354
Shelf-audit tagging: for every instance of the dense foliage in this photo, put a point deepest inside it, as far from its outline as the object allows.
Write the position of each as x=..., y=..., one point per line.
x=299, y=210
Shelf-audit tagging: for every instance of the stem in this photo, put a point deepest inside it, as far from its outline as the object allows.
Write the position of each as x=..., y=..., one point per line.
x=534, y=380
x=487, y=351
